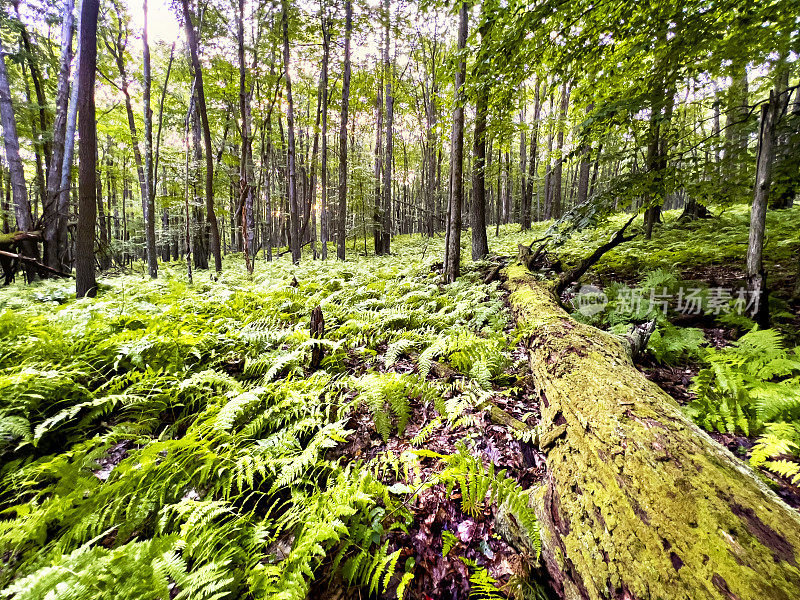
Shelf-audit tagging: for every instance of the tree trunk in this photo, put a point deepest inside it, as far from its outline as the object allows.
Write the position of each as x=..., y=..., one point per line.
x=245, y=166
x=22, y=206
x=556, y=205
x=149, y=184
x=452, y=259
x=480, y=245
x=340, y=224
x=386, y=214
x=638, y=502
x=583, y=171
x=211, y=216
x=756, y=275
x=294, y=216
x=50, y=214
x=323, y=173
x=533, y=163
x=85, y=283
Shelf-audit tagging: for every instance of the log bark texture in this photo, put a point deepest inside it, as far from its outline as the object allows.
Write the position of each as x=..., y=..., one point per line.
x=639, y=503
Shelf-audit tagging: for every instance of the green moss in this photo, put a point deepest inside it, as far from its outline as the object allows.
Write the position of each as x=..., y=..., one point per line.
x=639, y=498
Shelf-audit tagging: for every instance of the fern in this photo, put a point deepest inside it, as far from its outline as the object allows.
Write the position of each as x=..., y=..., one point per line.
x=754, y=381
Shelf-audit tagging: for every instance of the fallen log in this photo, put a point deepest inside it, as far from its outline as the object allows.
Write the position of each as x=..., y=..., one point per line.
x=639, y=503
x=35, y=263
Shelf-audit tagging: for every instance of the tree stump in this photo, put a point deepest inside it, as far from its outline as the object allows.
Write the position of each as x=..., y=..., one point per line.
x=317, y=333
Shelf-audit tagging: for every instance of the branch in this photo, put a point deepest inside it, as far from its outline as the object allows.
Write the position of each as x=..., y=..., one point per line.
x=585, y=264
x=36, y=263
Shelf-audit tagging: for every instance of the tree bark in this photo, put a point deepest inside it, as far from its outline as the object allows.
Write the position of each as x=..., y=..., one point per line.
x=756, y=275
x=452, y=260
x=556, y=205
x=638, y=502
x=294, y=216
x=340, y=221
x=22, y=205
x=85, y=282
x=149, y=184
x=50, y=214
x=480, y=245
x=323, y=174
x=386, y=213
x=211, y=216
x=245, y=167
x=533, y=163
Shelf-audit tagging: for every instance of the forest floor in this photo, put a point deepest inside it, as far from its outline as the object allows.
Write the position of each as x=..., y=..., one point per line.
x=179, y=441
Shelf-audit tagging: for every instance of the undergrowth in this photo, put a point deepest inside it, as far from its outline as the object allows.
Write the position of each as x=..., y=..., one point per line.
x=167, y=441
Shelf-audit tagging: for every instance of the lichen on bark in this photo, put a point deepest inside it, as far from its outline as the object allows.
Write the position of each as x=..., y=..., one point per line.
x=639, y=502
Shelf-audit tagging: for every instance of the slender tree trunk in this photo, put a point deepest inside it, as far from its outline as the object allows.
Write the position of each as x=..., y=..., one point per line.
x=245, y=192
x=452, y=261
x=342, y=217
x=85, y=282
x=323, y=216
x=756, y=274
x=585, y=165
x=480, y=245
x=211, y=216
x=556, y=205
x=533, y=163
x=22, y=206
x=69, y=150
x=386, y=228
x=50, y=214
x=149, y=185
x=294, y=216
x=377, y=219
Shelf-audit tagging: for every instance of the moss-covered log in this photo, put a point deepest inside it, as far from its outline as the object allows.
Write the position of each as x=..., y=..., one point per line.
x=639, y=502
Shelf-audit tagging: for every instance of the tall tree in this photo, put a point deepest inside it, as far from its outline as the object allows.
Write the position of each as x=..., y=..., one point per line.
x=341, y=219
x=452, y=257
x=85, y=282
x=245, y=191
x=533, y=163
x=294, y=213
x=326, y=51
x=22, y=206
x=50, y=213
x=386, y=213
x=480, y=245
x=149, y=185
x=211, y=215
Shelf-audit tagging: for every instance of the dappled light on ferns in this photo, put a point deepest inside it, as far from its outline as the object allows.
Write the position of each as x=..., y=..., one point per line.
x=220, y=431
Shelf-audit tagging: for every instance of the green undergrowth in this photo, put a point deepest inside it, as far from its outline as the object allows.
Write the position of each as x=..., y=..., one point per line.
x=753, y=388
x=173, y=441
x=675, y=245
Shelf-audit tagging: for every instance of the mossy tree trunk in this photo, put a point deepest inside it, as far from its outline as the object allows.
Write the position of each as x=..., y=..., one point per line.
x=639, y=503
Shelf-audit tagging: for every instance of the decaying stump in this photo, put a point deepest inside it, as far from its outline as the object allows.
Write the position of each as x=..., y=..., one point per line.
x=317, y=333
x=639, y=502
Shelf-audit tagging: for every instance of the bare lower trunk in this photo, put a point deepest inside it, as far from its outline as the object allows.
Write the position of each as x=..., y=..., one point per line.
x=22, y=206
x=86, y=284
x=294, y=214
x=452, y=260
x=756, y=275
x=211, y=216
x=341, y=226
x=50, y=214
